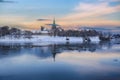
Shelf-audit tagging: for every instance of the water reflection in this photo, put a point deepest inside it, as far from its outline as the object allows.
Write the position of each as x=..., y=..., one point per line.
x=84, y=61
x=50, y=50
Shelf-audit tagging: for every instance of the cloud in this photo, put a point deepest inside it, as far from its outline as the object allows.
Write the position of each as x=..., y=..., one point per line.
x=109, y=0
x=52, y=24
x=11, y=18
x=3, y=1
x=87, y=10
x=98, y=1
x=92, y=13
x=43, y=19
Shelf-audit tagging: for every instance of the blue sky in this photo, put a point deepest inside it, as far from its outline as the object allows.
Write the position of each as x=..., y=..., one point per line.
x=38, y=7
x=67, y=12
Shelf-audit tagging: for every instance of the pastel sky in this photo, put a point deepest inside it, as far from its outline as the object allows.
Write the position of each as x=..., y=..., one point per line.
x=24, y=13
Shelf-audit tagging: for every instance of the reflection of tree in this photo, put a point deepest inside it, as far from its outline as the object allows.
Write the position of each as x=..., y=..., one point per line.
x=8, y=49
x=56, y=49
x=80, y=47
x=105, y=43
x=51, y=50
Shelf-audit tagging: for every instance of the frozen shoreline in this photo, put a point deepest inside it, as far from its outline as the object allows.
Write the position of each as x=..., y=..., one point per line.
x=48, y=39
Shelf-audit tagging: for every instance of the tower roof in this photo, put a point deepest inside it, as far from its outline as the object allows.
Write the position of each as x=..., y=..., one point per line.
x=54, y=24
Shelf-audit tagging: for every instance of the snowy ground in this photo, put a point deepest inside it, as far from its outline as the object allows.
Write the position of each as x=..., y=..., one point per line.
x=47, y=39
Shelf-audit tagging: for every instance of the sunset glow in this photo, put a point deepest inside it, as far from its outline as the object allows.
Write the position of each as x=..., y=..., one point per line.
x=24, y=13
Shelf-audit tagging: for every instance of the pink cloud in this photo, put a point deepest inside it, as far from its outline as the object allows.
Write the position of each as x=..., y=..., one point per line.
x=87, y=10
x=92, y=14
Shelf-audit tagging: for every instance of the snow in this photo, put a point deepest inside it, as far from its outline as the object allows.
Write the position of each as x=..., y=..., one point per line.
x=95, y=39
x=17, y=40
x=59, y=39
x=48, y=39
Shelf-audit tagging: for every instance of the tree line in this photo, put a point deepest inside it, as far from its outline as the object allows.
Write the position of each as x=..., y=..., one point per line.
x=14, y=32
x=17, y=33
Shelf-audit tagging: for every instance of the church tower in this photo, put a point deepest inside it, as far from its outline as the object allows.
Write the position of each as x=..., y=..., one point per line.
x=54, y=25
x=54, y=28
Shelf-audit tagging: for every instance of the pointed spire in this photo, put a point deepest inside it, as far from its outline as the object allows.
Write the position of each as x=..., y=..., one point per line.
x=54, y=21
x=54, y=24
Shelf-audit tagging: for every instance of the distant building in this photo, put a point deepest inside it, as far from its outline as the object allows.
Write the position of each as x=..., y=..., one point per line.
x=44, y=31
x=55, y=29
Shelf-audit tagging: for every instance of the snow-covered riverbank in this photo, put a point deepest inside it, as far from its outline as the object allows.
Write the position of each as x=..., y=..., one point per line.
x=47, y=39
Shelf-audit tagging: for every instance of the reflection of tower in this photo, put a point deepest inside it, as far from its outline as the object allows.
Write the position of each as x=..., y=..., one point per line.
x=54, y=52
x=54, y=55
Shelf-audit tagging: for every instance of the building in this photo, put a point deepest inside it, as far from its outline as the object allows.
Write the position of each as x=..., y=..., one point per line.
x=55, y=28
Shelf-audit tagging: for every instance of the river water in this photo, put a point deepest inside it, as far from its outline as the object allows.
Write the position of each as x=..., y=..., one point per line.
x=77, y=61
